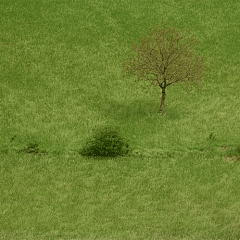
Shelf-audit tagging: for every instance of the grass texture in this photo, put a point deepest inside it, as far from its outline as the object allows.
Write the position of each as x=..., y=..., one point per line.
x=61, y=76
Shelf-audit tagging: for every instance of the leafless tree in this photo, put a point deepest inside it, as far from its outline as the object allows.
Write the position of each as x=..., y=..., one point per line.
x=166, y=57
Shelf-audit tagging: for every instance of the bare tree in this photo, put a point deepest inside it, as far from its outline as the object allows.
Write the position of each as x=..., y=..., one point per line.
x=165, y=57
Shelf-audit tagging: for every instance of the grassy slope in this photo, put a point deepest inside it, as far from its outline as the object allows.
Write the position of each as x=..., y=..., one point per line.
x=61, y=75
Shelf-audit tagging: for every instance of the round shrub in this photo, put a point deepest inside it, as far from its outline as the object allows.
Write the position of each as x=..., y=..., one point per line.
x=106, y=142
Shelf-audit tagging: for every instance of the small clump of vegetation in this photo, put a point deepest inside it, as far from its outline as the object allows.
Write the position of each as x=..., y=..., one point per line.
x=238, y=150
x=27, y=145
x=106, y=142
x=31, y=148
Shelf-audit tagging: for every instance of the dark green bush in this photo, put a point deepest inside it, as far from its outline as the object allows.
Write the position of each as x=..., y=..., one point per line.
x=106, y=142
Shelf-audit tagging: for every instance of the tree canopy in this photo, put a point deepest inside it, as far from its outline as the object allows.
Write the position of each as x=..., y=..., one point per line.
x=166, y=57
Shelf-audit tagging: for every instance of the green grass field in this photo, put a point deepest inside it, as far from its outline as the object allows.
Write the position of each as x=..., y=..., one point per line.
x=61, y=75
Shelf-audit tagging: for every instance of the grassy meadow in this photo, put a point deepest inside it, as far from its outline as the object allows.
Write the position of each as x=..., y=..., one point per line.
x=61, y=75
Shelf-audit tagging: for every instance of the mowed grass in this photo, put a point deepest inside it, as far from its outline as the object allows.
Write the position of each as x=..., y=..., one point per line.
x=61, y=76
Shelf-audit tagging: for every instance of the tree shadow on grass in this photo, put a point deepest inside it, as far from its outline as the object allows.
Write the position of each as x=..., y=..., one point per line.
x=138, y=109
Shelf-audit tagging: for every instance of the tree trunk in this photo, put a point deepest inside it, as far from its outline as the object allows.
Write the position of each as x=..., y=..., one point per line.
x=162, y=105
